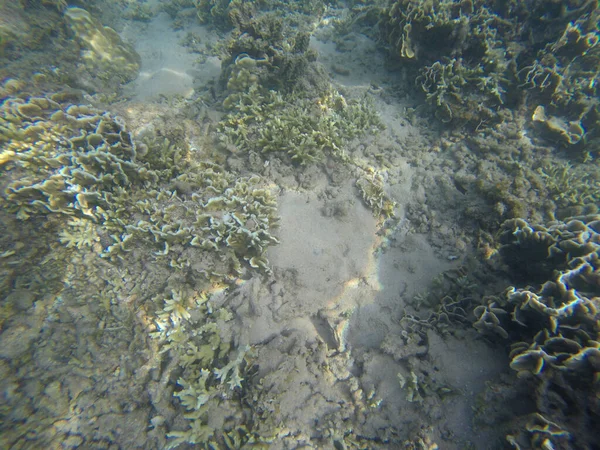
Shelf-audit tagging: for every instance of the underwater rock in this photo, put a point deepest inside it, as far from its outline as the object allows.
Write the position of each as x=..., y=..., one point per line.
x=103, y=52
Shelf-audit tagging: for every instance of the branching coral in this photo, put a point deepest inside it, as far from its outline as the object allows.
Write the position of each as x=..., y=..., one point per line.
x=305, y=129
x=189, y=331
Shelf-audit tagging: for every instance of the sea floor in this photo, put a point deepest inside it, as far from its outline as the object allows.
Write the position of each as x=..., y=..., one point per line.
x=328, y=325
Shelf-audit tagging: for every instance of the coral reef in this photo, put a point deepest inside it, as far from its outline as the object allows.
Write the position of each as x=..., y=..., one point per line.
x=553, y=329
x=71, y=159
x=574, y=188
x=114, y=235
x=457, y=53
x=193, y=336
x=473, y=60
x=80, y=194
x=62, y=157
x=304, y=128
x=277, y=99
x=266, y=37
x=564, y=80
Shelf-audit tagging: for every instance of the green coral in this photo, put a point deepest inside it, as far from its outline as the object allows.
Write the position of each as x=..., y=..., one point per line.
x=572, y=187
x=188, y=330
x=306, y=129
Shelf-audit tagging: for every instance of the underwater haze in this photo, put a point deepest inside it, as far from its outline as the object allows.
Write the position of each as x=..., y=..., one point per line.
x=297, y=224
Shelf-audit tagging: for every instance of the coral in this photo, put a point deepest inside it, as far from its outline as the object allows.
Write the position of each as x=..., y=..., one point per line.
x=140, y=12
x=73, y=160
x=103, y=52
x=27, y=26
x=564, y=80
x=188, y=330
x=225, y=14
x=539, y=432
x=423, y=441
x=277, y=99
x=427, y=30
x=512, y=186
x=215, y=12
x=14, y=32
x=554, y=329
x=371, y=188
x=283, y=51
x=456, y=54
x=412, y=387
x=488, y=321
x=457, y=90
x=232, y=370
x=306, y=129
x=45, y=46
x=535, y=251
x=575, y=188
x=81, y=233
x=568, y=133
x=61, y=157
x=473, y=61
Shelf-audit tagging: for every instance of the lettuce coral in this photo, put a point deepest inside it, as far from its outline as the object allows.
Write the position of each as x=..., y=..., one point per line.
x=555, y=328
